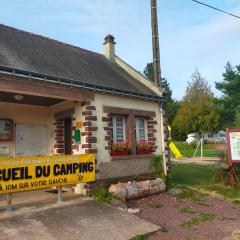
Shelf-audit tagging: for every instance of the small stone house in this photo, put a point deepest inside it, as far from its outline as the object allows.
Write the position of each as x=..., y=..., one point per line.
x=56, y=98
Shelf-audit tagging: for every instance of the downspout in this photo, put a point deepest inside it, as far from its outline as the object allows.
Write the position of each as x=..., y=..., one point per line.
x=162, y=141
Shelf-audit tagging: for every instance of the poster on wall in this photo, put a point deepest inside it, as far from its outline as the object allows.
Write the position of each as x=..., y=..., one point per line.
x=4, y=151
x=233, y=142
x=6, y=130
x=31, y=140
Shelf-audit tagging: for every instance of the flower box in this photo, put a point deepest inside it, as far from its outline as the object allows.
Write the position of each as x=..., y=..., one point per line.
x=123, y=153
x=144, y=152
x=143, y=148
x=121, y=148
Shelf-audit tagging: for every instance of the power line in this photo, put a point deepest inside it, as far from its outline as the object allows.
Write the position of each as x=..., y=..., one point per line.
x=204, y=4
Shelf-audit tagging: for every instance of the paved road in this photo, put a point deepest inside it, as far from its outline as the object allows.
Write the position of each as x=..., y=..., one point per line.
x=197, y=160
x=75, y=219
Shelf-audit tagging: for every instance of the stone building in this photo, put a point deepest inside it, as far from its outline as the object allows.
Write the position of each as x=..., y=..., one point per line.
x=56, y=98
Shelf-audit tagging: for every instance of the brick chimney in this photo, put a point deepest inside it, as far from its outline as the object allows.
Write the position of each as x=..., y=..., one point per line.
x=109, y=47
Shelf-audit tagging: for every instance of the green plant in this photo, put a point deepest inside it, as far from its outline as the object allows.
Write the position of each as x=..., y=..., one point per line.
x=155, y=205
x=223, y=156
x=190, y=194
x=186, y=210
x=203, y=217
x=121, y=147
x=103, y=195
x=144, y=236
x=157, y=164
x=194, y=144
x=143, y=145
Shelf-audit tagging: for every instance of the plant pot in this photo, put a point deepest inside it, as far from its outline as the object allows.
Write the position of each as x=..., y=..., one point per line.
x=122, y=153
x=144, y=152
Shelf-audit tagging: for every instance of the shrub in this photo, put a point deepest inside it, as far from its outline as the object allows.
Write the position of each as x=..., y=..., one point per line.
x=157, y=165
x=103, y=195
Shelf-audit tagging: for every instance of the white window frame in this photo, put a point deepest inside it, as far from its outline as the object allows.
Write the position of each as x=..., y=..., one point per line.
x=137, y=128
x=114, y=127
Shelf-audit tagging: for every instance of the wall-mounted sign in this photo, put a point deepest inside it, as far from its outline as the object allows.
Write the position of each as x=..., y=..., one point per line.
x=77, y=136
x=29, y=173
x=79, y=124
x=6, y=130
x=233, y=143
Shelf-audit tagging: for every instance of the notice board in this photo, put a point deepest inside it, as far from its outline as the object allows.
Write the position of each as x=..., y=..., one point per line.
x=233, y=143
x=31, y=140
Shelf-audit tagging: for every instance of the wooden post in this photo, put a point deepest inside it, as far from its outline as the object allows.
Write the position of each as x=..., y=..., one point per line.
x=60, y=195
x=155, y=44
x=9, y=202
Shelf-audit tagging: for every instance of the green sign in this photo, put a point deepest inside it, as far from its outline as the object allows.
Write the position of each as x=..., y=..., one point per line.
x=77, y=136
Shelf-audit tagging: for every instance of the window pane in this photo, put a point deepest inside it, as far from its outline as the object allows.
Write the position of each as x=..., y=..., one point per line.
x=119, y=122
x=140, y=129
x=141, y=134
x=141, y=123
x=117, y=128
x=119, y=134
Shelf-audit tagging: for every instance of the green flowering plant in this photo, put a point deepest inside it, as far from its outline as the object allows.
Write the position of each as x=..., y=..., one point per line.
x=143, y=145
x=121, y=147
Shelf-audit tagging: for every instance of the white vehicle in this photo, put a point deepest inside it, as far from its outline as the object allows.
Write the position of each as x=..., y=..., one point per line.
x=215, y=137
x=208, y=137
x=191, y=137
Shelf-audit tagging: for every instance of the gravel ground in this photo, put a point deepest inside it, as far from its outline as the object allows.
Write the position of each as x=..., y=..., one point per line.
x=170, y=213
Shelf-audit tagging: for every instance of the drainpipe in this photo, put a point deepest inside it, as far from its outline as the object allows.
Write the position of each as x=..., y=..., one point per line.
x=163, y=142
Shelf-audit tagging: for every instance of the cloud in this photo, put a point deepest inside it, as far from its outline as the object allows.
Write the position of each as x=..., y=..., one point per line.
x=191, y=36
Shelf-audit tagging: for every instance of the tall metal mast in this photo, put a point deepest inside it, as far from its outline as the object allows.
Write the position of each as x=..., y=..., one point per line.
x=155, y=44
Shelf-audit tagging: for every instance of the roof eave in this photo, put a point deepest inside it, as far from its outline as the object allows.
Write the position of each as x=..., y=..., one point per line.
x=76, y=83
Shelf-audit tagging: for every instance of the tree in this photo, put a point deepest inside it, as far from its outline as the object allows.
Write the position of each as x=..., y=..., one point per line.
x=197, y=112
x=230, y=101
x=172, y=105
x=148, y=71
x=237, y=119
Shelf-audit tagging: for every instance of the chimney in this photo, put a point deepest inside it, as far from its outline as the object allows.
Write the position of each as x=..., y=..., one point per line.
x=109, y=47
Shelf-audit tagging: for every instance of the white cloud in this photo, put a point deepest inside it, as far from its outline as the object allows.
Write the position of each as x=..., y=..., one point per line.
x=190, y=36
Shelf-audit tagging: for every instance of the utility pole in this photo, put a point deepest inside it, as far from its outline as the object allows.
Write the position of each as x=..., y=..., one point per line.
x=155, y=44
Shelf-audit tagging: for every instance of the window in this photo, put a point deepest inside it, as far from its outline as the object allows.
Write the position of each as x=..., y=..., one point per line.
x=141, y=129
x=117, y=128
x=210, y=135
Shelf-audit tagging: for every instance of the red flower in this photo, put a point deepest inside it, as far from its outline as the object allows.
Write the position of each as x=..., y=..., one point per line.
x=121, y=147
x=143, y=145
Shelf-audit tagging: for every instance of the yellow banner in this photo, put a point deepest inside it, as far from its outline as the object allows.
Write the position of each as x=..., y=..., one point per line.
x=29, y=173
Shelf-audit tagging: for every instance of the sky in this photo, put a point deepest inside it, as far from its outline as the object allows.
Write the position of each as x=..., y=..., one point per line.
x=191, y=36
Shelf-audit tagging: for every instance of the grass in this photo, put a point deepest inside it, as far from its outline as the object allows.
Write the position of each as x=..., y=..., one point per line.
x=197, y=176
x=186, y=210
x=144, y=236
x=188, y=150
x=191, y=175
x=155, y=205
x=192, y=195
x=225, y=191
x=201, y=218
